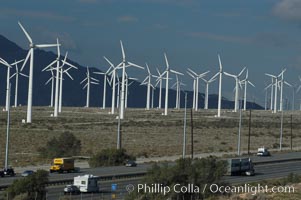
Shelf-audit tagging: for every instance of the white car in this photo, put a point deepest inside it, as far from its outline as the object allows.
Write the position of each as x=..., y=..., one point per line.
x=262, y=151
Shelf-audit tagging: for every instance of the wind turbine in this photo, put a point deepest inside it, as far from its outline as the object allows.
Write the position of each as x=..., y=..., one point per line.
x=197, y=76
x=113, y=79
x=178, y=85
x=90, y=80
x=17, y=73
x=281, y=88
x=62, y=72
x=7, y=82
x=167, y=70
x=30, y=54
x=276, y=87
x=123, y=64
x=52, y=84
x=105, y=74
x=194, y=88
x=159, y=81
x=147, y=82
x=207, y=82
x=220, y=73
x=246, y=82
x=237, y=82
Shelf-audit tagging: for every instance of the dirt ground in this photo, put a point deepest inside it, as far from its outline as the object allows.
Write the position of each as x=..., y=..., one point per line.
x=146, y=133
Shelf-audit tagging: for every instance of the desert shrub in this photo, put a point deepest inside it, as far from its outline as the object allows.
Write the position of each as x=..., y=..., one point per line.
x=110, y=157
x=65, y=145
x=31, y=187
x=186, y=171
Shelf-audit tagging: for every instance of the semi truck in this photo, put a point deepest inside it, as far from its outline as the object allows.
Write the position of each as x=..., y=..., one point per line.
x=62, y=165
x=240, y=166
x=86, y=183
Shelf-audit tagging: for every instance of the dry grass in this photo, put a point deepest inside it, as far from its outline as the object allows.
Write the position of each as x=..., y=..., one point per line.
x=144, y=132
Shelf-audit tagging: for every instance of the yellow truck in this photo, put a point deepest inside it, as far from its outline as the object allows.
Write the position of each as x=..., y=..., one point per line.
x=62, y=165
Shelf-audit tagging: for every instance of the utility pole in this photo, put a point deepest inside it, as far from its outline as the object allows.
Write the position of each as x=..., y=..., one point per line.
x=191, y=118
x=119, y=130
x=281, y=131
x=7, y=129
x=291, y=132
x=184, y=135
x=249, y=139
x=239, y=130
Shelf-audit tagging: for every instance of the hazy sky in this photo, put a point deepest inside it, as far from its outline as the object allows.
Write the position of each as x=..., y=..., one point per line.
x=263, y=35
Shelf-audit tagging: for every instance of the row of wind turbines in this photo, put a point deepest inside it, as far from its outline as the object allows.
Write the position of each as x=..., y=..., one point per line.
x=59, y=67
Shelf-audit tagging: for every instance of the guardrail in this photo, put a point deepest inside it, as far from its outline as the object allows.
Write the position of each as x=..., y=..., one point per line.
x=99, y=178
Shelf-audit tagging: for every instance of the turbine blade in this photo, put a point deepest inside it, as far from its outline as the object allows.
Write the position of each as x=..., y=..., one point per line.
x=24, y=63
x=135, y=65
x=220, y=63
x=24, y=75
x=191, y=71
x=242, y=71
x=251, y=83
x=69, y=75
x=122, y=50
x=17, y=62
x=45, y=45
x=70, y=65
x=147, y=68
x=58, y=48
x=25, y=32
x=48, y=80
x=227, y=74
x=270, y=75
x=84, y=80
x=204, y=74
x=12, y=75
x=48, y=66
x=110, y=63
x=175, y=72
x=166, y=61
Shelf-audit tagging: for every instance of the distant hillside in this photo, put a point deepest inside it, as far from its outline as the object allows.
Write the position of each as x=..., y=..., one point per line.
x=73, y=94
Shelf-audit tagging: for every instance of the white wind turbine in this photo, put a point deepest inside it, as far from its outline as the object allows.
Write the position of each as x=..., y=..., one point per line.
x=8, y=77
x=2, y=61
x=62, y=72
x=207, y=82
x=246, y=82
x=167, y=70
x=282, y=82
x=178, y=85
x=147, y=82
x=276, y=87
x=159, y=81
x=194, y=88
x=90, y=80
x=52, y=85
x=123, y=65
x=237, y=82
x=127, y=86
x=113, y=81
x=17, y=73
x=220, y=73
x=196, y=91
x=30, y=54
x=105, y=74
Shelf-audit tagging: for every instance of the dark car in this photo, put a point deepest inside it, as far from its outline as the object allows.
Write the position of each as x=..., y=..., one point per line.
x=130, y=163
x=27, y=173
x=71, y=189
x=9, y=171
x=1, y=173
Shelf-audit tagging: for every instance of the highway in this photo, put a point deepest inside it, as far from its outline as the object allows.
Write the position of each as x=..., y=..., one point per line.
x=263, y=170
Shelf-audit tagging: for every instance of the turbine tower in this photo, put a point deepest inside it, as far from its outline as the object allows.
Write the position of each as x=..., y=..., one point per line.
x=246, y=82
x=167, y=71
x=196, y=91
x=147, y=82
x=17, y=73
x=90, y=80
x=220, y=73
x=207, y=82
x=7, y=83
x=105, y=74
x=52, y=85
x=62, y=72
x=237, y=82
x=30, y=54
